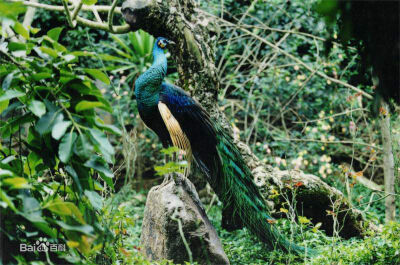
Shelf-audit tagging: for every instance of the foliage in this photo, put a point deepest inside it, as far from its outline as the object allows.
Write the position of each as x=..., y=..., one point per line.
x=131, y=58
x=55, y=154
x=242, y=248
x=375, y=249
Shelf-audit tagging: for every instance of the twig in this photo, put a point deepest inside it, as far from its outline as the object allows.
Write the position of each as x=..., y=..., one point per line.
x=327, y=142
x=111, y=15
x=334, y=115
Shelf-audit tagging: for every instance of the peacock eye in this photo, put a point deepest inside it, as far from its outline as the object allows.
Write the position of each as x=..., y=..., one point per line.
x=161, y=44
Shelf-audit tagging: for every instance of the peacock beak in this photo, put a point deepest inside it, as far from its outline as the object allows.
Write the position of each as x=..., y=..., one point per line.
x=170, y=42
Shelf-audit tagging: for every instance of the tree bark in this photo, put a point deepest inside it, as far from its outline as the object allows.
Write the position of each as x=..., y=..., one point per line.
x=182, y=22
x=388, y=165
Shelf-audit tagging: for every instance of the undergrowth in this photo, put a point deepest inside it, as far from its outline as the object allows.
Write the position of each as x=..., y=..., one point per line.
x=243, y=248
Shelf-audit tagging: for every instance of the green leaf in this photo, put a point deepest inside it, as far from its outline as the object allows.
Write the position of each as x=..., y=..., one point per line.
x=17, y=183
x=98, y=164
x=303, y=220
x=85, y=105
x=17, y=46
x=59, y=119
x=6, y=161
x=21, y=30
x=89, y=2
x=45, y=124
x=63, y=208
x=54, y=33
x=9, y=94
x=11, y=9
x=59, y=129
x=59, y=47
x=41, y=76
x=327, y=7
x=4, y=198
x=121, y=43
x=170, y=150
x=108, y=57
x=83, y=147
x=95, y=199
x=7, y=81
x=49, y=51
x=4, y=105
x=108, y=127
x=97, y=74
x=85, y=229
x=104, y=146
x=5, y=172
x=70, y=57
x=65, y=148
x=75, y=177
x=37, y=107
x=316, y=227
x=31, y=209
x=52, y=232
x=34, y=30
x=170, y=167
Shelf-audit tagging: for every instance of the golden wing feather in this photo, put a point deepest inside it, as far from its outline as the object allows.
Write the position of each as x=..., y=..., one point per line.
x=178, y=137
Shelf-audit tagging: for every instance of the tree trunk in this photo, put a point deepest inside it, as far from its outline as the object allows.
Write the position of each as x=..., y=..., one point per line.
x=388, y=165
x=182, y=22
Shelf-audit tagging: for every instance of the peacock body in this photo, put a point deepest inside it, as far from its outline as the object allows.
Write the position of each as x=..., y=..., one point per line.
x=180, y=121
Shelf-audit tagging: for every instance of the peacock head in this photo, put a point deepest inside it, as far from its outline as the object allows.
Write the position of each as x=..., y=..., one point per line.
x=163, y=43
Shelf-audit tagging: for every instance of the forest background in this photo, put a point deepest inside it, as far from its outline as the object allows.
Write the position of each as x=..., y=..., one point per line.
x=77, y=161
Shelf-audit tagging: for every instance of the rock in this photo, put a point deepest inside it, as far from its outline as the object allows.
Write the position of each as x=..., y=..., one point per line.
x=168, y=205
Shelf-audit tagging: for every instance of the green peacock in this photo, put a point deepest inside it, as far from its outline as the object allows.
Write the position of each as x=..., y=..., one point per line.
x=180, y=121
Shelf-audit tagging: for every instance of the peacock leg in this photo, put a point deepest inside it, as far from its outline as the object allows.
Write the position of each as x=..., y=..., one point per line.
x=167, y=176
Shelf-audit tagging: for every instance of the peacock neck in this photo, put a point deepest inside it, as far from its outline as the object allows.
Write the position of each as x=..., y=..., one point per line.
x=159, y=58
x=148, y=85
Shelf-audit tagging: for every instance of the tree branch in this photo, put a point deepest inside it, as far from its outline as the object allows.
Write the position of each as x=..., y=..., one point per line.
x=68, y=13
x=76, y=10
x=99, y=8
x=73, y=19
x=111, y=15
x=102, y=26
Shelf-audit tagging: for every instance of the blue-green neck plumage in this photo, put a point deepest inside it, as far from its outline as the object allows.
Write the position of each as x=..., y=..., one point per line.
x=148, y=85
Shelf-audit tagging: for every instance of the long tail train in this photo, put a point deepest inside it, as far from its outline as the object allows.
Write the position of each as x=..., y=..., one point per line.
x=236, y=188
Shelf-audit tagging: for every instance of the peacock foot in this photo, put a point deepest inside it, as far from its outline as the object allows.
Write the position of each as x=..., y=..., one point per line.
x=167, y=179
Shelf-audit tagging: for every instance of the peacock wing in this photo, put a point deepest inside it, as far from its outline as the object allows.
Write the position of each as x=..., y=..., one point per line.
x=186, y=119
x=178, y=137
